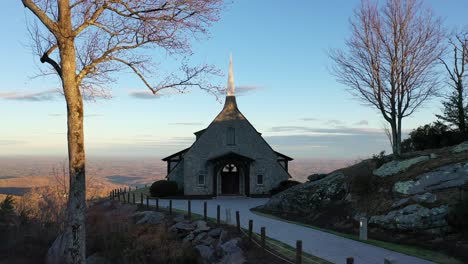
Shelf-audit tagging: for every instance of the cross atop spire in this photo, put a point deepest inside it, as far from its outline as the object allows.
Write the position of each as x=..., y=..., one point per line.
x=230, y=87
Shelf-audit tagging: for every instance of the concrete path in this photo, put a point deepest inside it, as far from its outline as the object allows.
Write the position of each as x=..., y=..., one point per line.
x=321, y=244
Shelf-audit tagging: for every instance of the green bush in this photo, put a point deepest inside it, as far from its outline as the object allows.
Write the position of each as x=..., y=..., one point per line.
x=316, y=176
x=431, y=136
x=164, y=188
x=379, y=159
x=284, y=185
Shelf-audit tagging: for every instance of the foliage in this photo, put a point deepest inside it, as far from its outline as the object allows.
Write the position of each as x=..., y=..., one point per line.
x=284, y=185
x=7, y=206
x=164, y=188
x=429, y=136
x=451, y=114
x=379, y=159
x=362, y=180
x=316, y=176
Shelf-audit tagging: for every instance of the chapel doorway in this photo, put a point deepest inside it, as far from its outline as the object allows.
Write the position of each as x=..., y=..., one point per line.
x=230, y=179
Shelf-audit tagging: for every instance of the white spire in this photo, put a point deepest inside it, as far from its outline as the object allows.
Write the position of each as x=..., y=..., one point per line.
x=230, y=87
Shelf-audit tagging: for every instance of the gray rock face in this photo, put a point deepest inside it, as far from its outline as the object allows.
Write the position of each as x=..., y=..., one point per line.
x=201, y=226
x=419, y=198
x=206, y=252
x=413, y=218
x=183, y=226
x=149, y=217
x=308, y=197
x=394, y=167
x=461, y=147
x=232, y=253
x=215, y=232
x=444, y=177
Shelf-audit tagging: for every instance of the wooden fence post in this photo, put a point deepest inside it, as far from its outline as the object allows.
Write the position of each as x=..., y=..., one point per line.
x=218, y=214
x=263, y=238
x=157, y=204
x=238, y=221
x=250, y=230
x=170, y=207
x=128, y=197
x=141, y=199
x=205, y=211
x=147, y=202
x=133, y=196
x=118, y=195
x=189, y=205
x=299, y=252
x=350, y=260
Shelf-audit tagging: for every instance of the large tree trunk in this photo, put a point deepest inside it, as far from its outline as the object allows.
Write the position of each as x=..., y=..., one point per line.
x=395, y=145
x=76, y=210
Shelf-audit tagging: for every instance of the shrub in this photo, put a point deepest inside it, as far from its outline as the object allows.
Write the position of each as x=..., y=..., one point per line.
x=316, y=176
x=164, y=188
x=284, y=185
x=379, y=159
x=435, y=135
x=6, y=206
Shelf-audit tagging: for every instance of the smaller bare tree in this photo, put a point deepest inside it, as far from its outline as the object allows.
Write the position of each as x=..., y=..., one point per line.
x=456, y=106
x=391, y=59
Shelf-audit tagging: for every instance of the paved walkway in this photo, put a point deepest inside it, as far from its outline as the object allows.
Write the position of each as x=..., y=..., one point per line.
x=321, y=244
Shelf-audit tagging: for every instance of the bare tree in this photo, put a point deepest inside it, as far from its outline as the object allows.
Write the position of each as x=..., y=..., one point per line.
x=456, y=106
x=85, y=41
x=390, y=59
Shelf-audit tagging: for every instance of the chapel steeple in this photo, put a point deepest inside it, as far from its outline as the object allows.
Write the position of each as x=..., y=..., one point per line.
x=230, y=87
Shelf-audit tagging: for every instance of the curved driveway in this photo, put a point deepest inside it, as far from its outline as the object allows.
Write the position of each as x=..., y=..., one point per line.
x=321, y=244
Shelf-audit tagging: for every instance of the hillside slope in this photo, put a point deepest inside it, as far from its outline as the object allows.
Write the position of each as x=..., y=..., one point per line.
x=417, y=200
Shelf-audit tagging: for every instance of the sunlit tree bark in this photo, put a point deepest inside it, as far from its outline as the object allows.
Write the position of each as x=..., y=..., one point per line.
x=86, y=41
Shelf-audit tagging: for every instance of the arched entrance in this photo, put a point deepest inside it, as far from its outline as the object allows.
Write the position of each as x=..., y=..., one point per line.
x=230, y=180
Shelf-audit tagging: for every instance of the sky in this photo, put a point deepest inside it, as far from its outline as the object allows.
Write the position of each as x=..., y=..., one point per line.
x=282, y=74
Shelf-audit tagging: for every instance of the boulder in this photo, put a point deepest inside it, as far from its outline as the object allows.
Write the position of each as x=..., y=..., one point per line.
x=232, y=253
x=208, y=241
x=200, y=237
x=419, y=198
x=460, y=147
x=215, y=232
x=306, y=198
x=397, y=166
x=188, y=238
x=206, y=253
x=183, y=226
x=413, y=218
x=449, y=176
x=149, y=217
x=179, y=218
x=201, y=226
x=56, y=253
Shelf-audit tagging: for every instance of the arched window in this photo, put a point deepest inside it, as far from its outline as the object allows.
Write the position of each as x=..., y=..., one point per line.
x=231, y=136
x=230, y=168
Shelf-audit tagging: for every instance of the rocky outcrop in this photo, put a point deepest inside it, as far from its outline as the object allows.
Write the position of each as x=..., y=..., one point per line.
x=449, y=176
x=212, y=244
x=309, y=197
x=397, y=166
x=414, y=218
x=461, y=147
x=148, y=217
x=420, y=198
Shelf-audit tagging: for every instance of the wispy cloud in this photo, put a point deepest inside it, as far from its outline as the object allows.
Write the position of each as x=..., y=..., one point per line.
x=48, y=95
x=362, y=123
x=334, y=122
x=5, y=142
x=147, y=95
x=186, y=124
x=309, y=119
x=244, y=89
x=342, y=130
